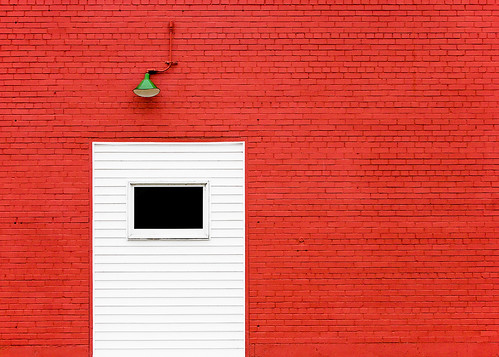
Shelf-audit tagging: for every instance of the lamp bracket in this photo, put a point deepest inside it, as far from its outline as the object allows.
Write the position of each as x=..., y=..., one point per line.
x=169, y=65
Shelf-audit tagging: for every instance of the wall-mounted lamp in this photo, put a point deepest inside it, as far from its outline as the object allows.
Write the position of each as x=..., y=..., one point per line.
x=146, y=88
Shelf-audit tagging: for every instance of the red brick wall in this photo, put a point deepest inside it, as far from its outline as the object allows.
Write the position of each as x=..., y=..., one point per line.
x=371, y=162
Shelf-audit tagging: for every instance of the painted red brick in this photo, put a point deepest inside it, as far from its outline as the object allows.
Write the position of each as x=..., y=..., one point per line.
x=371, y=162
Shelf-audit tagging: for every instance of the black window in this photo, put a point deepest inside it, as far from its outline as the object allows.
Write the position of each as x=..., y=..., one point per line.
x=168, y=207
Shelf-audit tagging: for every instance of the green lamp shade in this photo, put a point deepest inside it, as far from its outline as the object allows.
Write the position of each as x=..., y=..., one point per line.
x=146, y=88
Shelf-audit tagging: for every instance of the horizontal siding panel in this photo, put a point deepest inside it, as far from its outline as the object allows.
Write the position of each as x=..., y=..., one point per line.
x=215, y=232
x=227, y=207
x=110, y=216
x=159, y=157
x=205, y=309
x=168, y=293
x=226, y=199
x=171, y=173
x=187, y=267
x=169, y=284
x=110, y=191
x=109, y=233
x=122, y=181
x=174, y=319
x=227, y=224
x=109, y=224
x=103, y=198
x=132, y=302
x=170, y=259
x=105, y=207
x=165, y=164
x=217, y=237
x=216, y=241
x=215, y=275
x=189, y=327
x=147, y=344
x=227, y=233
x=176, y=352
x=225, y=190
x=170, y=336
x=227, y=216
x=168, y=250
x=137, y=147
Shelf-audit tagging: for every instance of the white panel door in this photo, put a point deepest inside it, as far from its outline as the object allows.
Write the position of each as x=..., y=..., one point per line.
x=168, y=297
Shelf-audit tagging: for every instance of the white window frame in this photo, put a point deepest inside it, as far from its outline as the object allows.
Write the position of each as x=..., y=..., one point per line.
x=158, y=234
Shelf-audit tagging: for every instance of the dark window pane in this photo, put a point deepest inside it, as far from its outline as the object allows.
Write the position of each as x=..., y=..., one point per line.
x=168, y=207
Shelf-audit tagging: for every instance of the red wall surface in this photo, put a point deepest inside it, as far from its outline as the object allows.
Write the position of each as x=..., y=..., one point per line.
x=371, y=162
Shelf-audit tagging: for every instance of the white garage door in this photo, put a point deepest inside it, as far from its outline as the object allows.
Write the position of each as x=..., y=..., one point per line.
x=168, y=249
